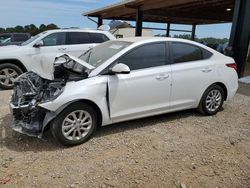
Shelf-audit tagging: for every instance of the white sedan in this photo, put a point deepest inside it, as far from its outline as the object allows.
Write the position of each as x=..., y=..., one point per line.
x=120, y=80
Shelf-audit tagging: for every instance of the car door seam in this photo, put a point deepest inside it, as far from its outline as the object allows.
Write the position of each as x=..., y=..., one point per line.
x=107, y=99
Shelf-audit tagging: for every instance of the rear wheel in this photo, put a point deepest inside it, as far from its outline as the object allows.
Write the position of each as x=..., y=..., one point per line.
x=212, y=100
x=75, y=124
x=8, y=73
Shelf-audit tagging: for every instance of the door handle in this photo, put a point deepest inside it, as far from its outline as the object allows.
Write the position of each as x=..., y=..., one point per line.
x=162, y=77
x=206, y=70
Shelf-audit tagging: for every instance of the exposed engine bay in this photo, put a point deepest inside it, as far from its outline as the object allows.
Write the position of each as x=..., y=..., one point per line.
x=30, y=90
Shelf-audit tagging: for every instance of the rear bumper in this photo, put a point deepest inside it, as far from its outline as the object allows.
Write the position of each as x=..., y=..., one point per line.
x=232, y=89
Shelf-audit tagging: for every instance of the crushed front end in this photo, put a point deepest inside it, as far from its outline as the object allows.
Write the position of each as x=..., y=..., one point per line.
x=30, y=90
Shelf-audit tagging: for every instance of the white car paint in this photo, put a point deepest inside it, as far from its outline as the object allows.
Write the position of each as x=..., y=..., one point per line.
x=25, y=53
x=149, y=91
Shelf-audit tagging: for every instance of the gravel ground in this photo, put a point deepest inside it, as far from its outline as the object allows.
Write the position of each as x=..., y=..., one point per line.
x=181, y=149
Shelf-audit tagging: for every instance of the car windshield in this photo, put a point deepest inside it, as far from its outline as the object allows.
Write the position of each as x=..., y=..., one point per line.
x=101, y=53
x=32, y=39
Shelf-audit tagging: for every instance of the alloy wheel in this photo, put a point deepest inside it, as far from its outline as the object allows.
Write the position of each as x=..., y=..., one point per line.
x=7, y=76
x=213, y=100
x=76, y=125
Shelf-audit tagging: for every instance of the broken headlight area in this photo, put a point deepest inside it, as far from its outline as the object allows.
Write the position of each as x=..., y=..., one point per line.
x=28, y=119
x=29, y=91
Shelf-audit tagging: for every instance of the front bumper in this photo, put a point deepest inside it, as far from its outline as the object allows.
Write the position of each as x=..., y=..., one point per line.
x=27, y=119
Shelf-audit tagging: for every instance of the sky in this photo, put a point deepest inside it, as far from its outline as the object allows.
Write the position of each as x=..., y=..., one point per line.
x=68, y=13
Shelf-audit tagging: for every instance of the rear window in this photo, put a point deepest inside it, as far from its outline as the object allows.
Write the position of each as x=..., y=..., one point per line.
x=98, y=37
x=184, y=52
x=78, y=38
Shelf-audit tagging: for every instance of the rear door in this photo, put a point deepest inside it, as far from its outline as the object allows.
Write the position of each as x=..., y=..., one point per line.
x=78, y=43
x=146, y=90
x=192, y=71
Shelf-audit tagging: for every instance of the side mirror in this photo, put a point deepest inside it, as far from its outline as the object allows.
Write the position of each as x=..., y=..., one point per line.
x=38, y=44
x=120, y=68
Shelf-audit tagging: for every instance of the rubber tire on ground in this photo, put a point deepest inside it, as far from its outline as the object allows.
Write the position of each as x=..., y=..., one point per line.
x=202, y=106
x=57, y=124
x=11, y=66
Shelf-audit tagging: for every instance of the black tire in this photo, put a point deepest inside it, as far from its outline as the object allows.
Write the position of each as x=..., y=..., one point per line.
x=202, y=108
x=57, y=124
x=11, y=67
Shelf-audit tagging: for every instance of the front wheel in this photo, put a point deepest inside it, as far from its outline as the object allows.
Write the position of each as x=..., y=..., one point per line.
x=75, y=124
x=8, y=73
x=212, y=100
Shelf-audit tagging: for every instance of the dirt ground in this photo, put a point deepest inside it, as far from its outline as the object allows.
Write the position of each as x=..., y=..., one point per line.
x=181, y=149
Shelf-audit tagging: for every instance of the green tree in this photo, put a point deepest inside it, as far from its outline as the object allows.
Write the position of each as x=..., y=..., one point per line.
x=32, y=29
x=10, y=30
x=183, y=36
x=42, y=28
x=2, y=30
x=51, y=26
x=19, y=29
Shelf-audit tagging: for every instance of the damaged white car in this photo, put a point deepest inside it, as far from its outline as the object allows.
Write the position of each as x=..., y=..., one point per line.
x=117, y=81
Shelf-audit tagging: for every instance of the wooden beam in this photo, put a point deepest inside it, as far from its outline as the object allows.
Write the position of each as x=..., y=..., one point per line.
x=168, y=29
x=193, y=32
x=139, y=19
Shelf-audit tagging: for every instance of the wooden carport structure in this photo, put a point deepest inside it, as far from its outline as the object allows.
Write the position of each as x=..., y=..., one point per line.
x=193, y=12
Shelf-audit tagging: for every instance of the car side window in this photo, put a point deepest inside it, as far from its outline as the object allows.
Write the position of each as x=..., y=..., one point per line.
x=78, y=38
x=20, y=37
x=146, y=56
x=98, y=38
x=183, y=52
x=54, y=39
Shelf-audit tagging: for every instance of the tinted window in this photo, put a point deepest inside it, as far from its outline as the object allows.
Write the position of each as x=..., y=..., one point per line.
x=150, y=55
x=98, y=37
x=183, y=52
x=54, y=39
x=78, y=38
x=20, y=37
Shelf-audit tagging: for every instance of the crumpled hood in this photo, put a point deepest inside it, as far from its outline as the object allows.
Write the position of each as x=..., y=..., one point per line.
x=44, y=64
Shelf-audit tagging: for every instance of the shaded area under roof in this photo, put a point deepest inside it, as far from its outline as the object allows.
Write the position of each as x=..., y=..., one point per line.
x=170, y=11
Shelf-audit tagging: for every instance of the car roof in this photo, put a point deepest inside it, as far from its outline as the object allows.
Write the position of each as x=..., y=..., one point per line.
x=77, y=30
x=153, y=39
x=143, y=40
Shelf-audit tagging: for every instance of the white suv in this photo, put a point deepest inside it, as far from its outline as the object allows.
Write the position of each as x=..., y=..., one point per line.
x=14, y=60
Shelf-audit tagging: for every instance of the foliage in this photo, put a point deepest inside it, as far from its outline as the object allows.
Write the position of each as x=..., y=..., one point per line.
x=209, y=41
x=32, y=29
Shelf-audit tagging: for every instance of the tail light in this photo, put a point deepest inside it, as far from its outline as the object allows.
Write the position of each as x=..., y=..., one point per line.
x=232, y=65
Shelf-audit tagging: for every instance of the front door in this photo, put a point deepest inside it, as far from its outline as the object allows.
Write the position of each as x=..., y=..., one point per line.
x=146, y=90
